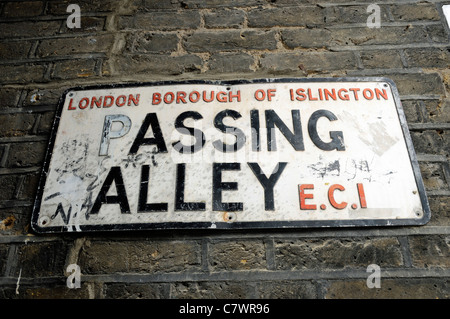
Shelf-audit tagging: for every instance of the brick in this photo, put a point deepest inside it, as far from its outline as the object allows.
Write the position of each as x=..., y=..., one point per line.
x=439, y=206
x=87, y=24
x=306, y=38
x=352, y=14
x=157, y=64
x=438, y=111
x=46, y=123
x=224, y=19
x=307, y=62
x=433, y=176
x=29, y=187
x=353, y=253
x=428, y=57
x=237, y=255
x=418, y=83
x=173, y=256
x=4, y=249
x=402, y=288
x=26, y=154
x=285, y=17
x=153, y=42
x=415, y=12
x=29, y=29
x=9, y=97
x=136, y=291
x=430, y=251
x=230, y=62
x=59, y=7
x=230, y=40
x=161, y=21
x=14, y=50
x=210, y=290
x=77, y=45
x=206, y=4
x=71, y=69
x=22, y=73
x=431, y=142
x=23, y=9
x=300, y=289
x=412, y=110
x=42, y=96
x=381, y=59
x=147, y=5
x=42, y=259
x=8, y=184
x=437, y=33
x=55, y=291
x=16, y=124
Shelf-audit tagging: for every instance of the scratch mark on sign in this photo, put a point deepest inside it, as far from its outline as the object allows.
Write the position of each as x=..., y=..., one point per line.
x=330, y=169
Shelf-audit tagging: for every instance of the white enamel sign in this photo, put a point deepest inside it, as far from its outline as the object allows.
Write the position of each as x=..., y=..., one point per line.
x=244, y=154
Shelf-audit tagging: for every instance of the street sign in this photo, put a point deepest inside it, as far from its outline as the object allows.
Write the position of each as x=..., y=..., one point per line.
x=270, y=153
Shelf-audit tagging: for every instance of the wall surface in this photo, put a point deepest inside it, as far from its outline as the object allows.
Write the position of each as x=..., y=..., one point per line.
x=150, y=40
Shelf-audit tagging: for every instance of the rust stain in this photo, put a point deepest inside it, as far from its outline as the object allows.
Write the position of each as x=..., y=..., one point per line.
x=7, y=223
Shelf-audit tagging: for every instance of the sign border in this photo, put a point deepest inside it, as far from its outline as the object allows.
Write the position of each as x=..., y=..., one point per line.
x=235, y=224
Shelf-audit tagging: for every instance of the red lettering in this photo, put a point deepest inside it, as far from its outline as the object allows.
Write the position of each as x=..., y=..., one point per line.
x=331, y=196
x=329, y=94
x=222, y=96
x=111, y=101
x=171, y=96
x=84, y=102
x=368, y=94
x=70, y=105
x=123, y=98
x=135, y=100
x=378, y=93
x=304, y=196
x=270, y=94
x=362, y=195
x=181, y=97
x=156, y=98
x=191, y=96
x=355, y=90
x=260, y=95
x=301, y=92
x=211, y=98
x=97, y=102
x=343, y=97
x=310, y=96
x=237, y=95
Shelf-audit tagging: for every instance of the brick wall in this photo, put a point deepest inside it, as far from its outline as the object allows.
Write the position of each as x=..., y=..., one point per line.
x=150, y=40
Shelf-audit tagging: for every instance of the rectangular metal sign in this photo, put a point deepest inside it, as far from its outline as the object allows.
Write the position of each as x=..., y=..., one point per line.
x=270, y=153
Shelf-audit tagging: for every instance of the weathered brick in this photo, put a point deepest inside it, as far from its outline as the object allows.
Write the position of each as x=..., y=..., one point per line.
x=173, y=256
x=23, y=9
x=46, y=123
x=353, y=253
x=415, y=12
x=136, y=291
x=306, y=38
x=381, y=59
x=157, y=64
x=8, y=185
x=29, y=29
x=352, y=14
x=301, y=289
x=418, y=83
x=285, y=17
x=412, y=110
x=28, y=187
x=237, y=255
x=205, y=4
x=428, y=57
x=307, y=62
x=153, y=42
x=230, y=62
x=70, y=69
x=224, y=19
x=402, y=288
x=439, y=206
x=431, y=142
x=9, y=97
x=163, y=20
x=26, y=154
x=4, y=249
x=232, y=40
x=433, y=176
x=211, y=290
x=147, y=5
x=14, y=50
x=87, y=24
x=16, y=124
x=438, y=111
x=69, y=46
x=55, y=291
x=59, y=7
x=42, y=96
x=430, y=251
x=22, y=73
x=42, y=259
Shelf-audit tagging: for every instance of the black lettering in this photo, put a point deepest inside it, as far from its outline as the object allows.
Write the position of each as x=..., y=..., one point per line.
x=219, y=186
x=254, y=122
x=199, y=136
x=268, y=183
x=60, y=210
x=296, y=138
x=114, y=175
x=240, y=136
x=337, y=138
x=180, y=204
x=143, y=206
x=150, y=120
